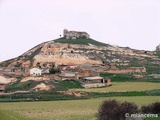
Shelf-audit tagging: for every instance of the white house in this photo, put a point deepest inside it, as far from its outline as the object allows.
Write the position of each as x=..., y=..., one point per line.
x=35, y=72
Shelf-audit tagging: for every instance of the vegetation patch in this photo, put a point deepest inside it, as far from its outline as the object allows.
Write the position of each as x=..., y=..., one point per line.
x=71, y=84
x=22, y=85
x=80, y=41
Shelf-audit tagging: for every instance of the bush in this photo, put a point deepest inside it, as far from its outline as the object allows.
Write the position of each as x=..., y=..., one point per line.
x=156, y=108
x=146, y=109
x=113, y=110
x=127, y=107
x=152, y=108
x=108, y=110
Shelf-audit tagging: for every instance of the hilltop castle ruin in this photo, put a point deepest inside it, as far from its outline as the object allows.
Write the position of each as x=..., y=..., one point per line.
x=75, y=34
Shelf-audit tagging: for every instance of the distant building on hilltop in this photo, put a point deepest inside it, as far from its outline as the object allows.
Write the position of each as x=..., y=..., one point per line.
x=75, y=34
x=158, y=48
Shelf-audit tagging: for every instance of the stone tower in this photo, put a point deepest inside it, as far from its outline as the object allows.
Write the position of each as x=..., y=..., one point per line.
x=65, y=32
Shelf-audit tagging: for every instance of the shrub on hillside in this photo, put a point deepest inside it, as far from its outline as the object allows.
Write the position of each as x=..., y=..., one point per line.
x=113, y=110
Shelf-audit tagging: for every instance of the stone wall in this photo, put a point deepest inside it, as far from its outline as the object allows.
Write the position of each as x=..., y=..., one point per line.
x=75, y=34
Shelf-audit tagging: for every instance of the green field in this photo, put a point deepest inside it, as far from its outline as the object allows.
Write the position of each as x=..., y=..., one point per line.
x=62, y=110
x=124, y=87
x=84, y=109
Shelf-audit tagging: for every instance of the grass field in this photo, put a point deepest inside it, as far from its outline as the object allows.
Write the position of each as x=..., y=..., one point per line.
x=124, y=87
x=62, y=110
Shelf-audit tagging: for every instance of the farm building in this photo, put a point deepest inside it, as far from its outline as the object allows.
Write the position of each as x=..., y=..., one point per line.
x=97, y=81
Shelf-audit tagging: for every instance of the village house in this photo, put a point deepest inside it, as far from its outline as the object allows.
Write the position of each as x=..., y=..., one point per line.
x=97, y=81
x=35, y=72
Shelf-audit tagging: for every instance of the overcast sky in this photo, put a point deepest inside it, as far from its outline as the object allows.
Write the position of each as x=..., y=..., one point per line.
x=126, y=23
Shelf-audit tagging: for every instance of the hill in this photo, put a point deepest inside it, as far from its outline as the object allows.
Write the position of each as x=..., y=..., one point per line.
x=78, y=51
x=82, y=50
